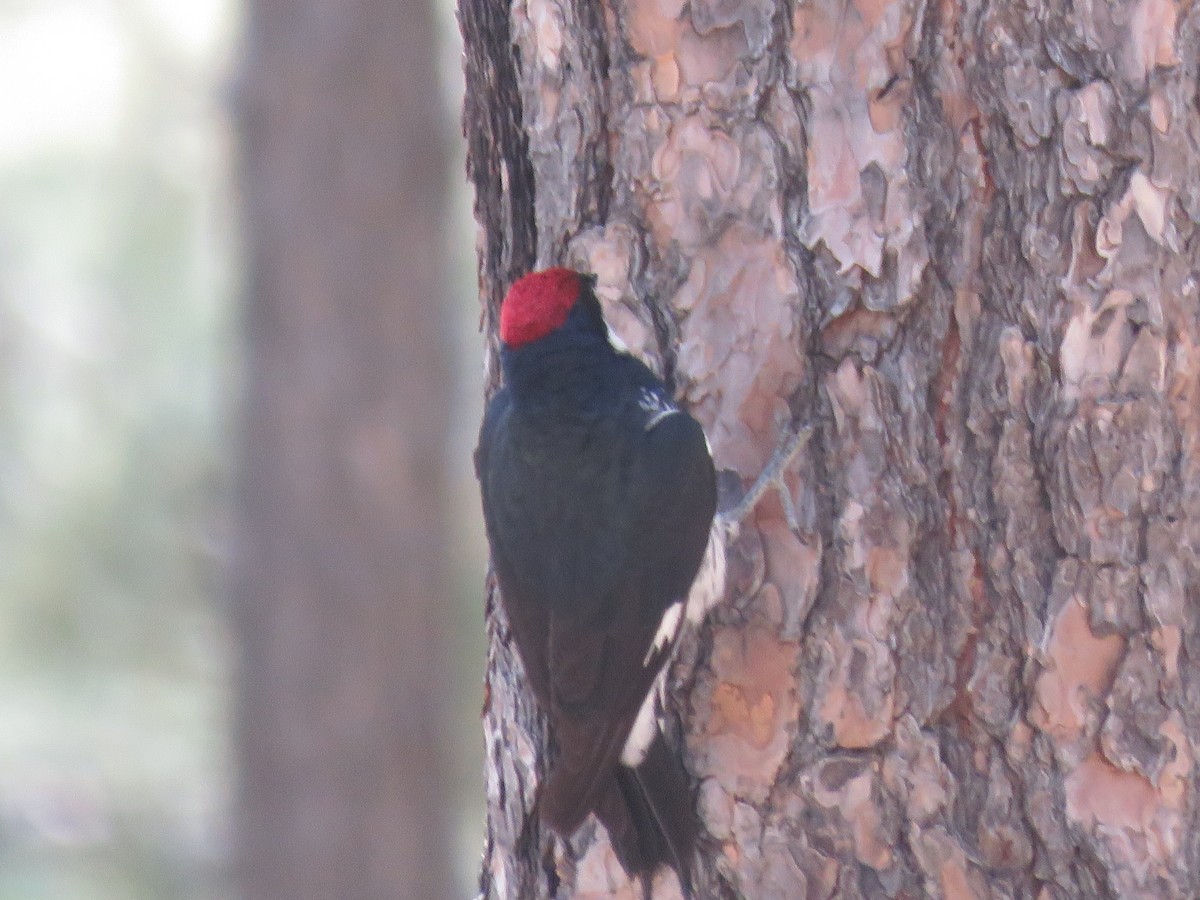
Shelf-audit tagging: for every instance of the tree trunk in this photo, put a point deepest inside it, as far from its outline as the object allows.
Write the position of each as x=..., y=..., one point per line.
x=340, y=577
x=962, y=241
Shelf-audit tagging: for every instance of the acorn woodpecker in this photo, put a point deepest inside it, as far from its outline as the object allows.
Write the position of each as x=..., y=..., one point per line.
x=598, y=497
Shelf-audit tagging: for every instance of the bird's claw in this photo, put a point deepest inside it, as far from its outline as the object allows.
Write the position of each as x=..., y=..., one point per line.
x=771, y=477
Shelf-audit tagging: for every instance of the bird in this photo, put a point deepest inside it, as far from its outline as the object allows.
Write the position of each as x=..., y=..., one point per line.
x=599, y=495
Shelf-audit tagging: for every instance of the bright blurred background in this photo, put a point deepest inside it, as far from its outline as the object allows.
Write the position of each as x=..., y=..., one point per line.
x=121, y=269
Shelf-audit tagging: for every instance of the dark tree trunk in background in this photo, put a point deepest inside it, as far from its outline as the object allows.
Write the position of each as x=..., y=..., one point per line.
x=339, y=581
x=962, y=240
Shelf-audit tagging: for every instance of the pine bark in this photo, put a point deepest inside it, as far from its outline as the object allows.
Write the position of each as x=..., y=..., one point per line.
x=961, y=240
x=339, y=580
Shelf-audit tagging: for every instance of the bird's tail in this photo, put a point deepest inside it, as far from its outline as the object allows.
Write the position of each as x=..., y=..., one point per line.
x=650, y=817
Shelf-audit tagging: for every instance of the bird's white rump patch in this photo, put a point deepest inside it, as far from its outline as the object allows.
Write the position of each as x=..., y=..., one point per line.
x=667, y=629
x=641, y=735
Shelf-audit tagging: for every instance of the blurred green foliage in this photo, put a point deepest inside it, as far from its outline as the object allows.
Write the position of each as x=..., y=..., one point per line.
x=116, y=273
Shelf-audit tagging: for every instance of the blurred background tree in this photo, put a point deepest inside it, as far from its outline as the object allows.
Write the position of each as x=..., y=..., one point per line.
x=339, y=561
x=120, y=369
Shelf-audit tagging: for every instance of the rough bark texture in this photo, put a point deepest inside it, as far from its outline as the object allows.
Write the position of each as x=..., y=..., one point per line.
x=962, y=240
x=340, y=571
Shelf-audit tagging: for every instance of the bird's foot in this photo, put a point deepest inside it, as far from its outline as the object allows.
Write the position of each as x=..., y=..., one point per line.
x=771, y=476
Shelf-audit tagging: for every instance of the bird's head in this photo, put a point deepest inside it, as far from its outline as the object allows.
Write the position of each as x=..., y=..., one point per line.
x=541, y=303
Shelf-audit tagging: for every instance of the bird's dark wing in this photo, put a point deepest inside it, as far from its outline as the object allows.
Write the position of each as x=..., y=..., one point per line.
x=505, y=501
x=600, y=674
